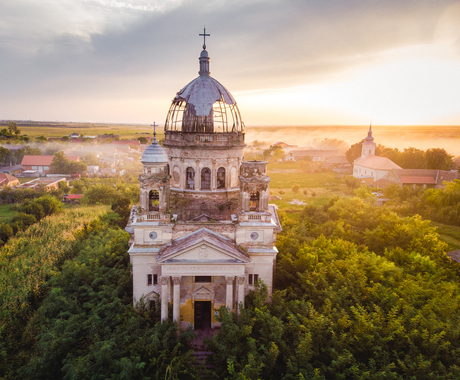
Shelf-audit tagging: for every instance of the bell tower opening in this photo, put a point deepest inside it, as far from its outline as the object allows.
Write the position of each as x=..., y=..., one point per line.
x=254, y=201
x=154, y=200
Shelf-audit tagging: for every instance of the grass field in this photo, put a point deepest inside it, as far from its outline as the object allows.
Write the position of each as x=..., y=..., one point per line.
x=449, y=235
x=126, y=131
x=319, y=187
x=6, y=215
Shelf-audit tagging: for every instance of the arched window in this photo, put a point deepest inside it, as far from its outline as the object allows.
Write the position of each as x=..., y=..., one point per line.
x=190, y=178
x=254, y=201
x=221, y=178
x=154, y=200
x=206, y=179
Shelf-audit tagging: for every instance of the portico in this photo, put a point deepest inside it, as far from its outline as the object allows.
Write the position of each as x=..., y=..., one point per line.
x=234, y=293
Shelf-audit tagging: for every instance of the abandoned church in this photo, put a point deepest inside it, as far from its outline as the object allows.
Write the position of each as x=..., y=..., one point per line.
x=204, y=232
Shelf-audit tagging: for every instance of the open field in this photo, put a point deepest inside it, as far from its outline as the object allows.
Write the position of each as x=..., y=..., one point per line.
x=319, y=187
x=50, y=129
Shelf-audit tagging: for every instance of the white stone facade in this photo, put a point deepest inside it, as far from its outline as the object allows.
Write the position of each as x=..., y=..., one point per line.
x=204, y=233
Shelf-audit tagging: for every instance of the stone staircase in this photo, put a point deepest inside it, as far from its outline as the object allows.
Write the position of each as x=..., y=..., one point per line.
x=201, y=353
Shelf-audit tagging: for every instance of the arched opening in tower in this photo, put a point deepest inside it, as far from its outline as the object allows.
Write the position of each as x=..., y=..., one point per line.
x=193, y=123
x=154, y=200
x=254, y=201
x=190, y=178
x=206, y=179
x=221, y=178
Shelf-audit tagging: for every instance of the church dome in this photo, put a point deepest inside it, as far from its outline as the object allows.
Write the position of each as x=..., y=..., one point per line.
x=204, y=105
x=154, y=154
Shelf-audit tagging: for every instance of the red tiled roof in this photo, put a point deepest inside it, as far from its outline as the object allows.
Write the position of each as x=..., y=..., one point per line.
x=8, y=178
x=74, y=196
x=43, y=160
x=417, y=179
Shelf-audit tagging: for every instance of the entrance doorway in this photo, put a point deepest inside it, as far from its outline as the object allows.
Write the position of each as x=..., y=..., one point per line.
x=202, y=315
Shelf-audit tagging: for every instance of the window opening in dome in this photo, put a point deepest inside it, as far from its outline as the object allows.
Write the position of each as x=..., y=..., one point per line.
x=206, y=179
x=221, y=178
x=254, y=201
x=190, y=179
x=154, y=200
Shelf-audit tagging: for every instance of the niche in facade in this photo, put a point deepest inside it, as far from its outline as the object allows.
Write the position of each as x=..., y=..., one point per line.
x=154, y=200
x=205, y=179
x=221, y=178
x=190, y=178
x=254, y=201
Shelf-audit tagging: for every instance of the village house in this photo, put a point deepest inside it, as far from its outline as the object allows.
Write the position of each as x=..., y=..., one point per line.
x=40, y=165
x=426, y=178
x=48, y=183
x=8, y=180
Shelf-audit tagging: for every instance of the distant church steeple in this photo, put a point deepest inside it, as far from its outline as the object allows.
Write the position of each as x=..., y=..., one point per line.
x=368, y=144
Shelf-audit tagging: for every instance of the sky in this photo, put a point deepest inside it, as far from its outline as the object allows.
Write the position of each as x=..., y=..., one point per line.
x=286, y=62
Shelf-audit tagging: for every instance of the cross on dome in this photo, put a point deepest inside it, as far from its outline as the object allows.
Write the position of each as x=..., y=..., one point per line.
x=154, y=132
x=204, y=37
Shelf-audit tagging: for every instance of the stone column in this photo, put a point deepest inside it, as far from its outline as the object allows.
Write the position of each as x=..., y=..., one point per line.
x=229, y=298
x=214, y=175
x=176, y=299
x=164, y=280
x=240, y=292
x=197, y=175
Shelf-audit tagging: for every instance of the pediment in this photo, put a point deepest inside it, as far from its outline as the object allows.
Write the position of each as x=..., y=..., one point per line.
x=203, y=218
x=203, y=246
x=202, y=293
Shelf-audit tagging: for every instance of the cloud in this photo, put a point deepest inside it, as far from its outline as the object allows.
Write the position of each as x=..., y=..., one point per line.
x=143, y=49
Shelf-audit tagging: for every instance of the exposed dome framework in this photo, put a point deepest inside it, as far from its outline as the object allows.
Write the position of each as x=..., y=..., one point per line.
x=204, y=106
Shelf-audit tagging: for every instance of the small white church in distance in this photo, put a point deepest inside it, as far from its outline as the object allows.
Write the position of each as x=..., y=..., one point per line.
x=369, y=165
x=204, y=232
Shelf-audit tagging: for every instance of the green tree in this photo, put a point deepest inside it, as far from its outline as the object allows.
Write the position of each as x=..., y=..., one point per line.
x=13, y=128
x=5, y=232
x=295, y=188
x=62, y=165
x=438, y=158
x=354, y=152
x=143, y=140
x=121, y=206
x=90, y=159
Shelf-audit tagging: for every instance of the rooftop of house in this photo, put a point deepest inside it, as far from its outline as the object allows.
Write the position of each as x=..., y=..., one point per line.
x=376, y=162
x=43, y=160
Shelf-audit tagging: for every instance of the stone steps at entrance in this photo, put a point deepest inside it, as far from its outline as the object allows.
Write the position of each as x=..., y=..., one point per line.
x=201, y=357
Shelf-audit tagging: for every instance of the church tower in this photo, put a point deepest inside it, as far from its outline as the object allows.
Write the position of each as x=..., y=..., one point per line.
x=205, y=232
x=368, y=147
x=204, y=139
x=154, y=182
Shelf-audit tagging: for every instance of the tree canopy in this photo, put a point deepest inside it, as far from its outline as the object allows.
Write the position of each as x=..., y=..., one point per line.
x=62, y=165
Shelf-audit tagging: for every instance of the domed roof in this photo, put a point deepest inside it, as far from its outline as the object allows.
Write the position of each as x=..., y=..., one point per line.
x=204, y=105
x=154, y=154
x=203, y=92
